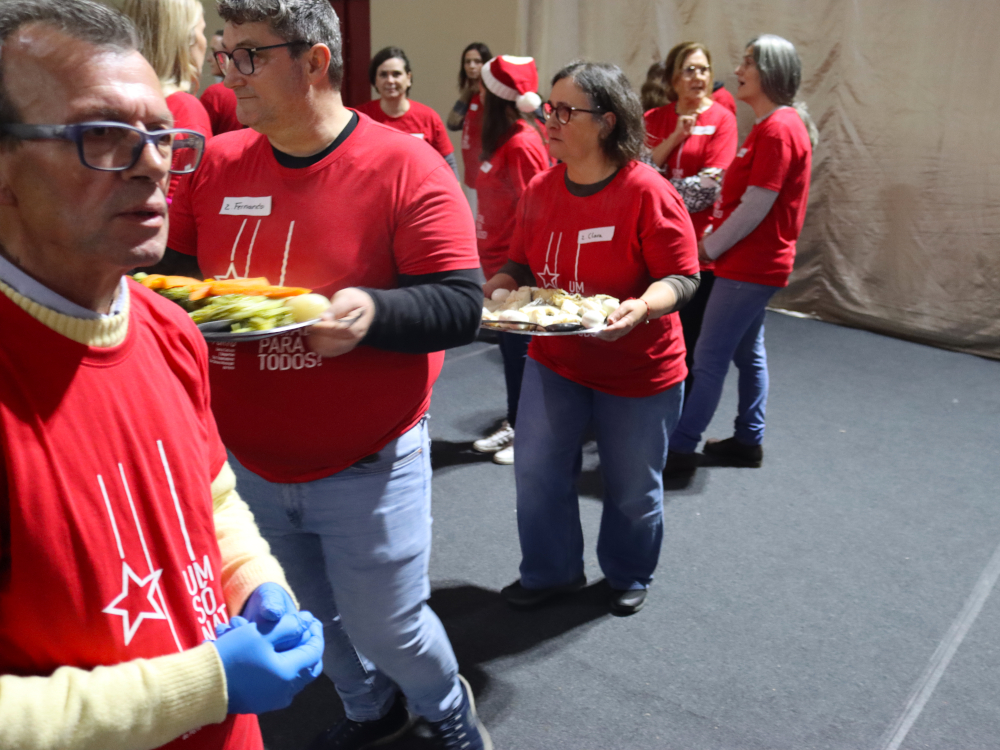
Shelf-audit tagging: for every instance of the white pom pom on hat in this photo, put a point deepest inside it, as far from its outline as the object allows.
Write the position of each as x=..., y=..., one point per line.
x=528, y=102
x=514, y=79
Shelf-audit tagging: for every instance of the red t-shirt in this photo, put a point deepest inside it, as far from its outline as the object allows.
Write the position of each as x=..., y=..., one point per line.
x=220, y=104
x=107, y=535
x=189, y=114
x=723, y=97
x=712, y=144
x=499, y=186
x=472, y=144
x=777, y=155
x=618, y=241
x=420, y=121
x=378, y=206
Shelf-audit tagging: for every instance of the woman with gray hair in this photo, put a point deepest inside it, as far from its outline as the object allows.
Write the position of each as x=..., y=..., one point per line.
x=601, y=222
x=763, y=206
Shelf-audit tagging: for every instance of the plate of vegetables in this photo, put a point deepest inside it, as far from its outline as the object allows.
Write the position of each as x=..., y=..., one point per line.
x=239, y=309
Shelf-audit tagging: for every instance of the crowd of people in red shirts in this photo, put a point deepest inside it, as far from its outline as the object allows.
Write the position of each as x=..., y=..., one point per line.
x=219, y=546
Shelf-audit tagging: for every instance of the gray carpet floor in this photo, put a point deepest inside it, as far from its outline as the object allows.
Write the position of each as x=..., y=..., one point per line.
x=838, y=597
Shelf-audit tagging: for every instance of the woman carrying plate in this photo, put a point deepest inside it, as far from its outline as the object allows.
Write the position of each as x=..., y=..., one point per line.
x=600, y=222
x=693, y=139
x=763, y=206
x=513, y=152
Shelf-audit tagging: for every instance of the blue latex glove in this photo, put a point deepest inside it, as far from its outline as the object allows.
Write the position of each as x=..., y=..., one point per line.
x=265, y=671
x=268, y=603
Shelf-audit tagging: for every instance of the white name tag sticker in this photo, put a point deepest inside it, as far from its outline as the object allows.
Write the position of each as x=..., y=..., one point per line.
x=703, y=130
x=598, y=234
x=486, y=166
x=418, y=135
x=246, y=206
x=741, y=153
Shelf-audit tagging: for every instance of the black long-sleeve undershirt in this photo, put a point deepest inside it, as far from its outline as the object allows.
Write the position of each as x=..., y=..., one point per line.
x=427, y=313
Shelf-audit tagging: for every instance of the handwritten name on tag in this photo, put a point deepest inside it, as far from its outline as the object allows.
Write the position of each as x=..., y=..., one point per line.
x=246, y=206
x=486, y=166
x=418, y=135
x=703, y=130
x=741, y=153
x=598, y=234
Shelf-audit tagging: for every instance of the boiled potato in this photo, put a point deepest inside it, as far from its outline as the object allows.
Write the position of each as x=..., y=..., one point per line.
x=307, y=306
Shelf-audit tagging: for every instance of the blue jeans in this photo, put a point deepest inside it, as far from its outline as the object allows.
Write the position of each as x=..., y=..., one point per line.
x=355, y=548
x=732, y=331
x=632, y=443
x=514, y=349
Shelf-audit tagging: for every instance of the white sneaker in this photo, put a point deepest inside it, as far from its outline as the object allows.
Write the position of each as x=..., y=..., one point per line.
x=504, y=456
x=497, y=441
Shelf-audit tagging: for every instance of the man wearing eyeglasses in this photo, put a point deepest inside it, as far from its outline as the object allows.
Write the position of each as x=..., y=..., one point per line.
x=332, y=453
x=139, y=604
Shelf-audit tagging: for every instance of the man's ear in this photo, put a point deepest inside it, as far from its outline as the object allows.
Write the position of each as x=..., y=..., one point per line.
x=317, y=62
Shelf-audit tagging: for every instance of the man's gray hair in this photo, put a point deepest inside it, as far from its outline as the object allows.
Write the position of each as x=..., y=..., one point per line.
x=81, y=19
x=312, y=21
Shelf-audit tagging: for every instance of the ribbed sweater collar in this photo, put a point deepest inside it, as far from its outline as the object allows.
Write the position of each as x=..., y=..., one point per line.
x=103, y=332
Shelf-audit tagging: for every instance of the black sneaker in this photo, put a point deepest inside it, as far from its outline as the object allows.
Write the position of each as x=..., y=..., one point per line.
x=733, y=451
x=519, y=597
x=461, y=729
x=356, y=735
x=629, y=602
x=680, y=463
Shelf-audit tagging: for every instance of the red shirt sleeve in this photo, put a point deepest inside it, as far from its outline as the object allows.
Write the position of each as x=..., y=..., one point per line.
x=668, y=241
x=183, y=236
x=721, y=149
x=435, y=231
x=524, y=164
x=771, y=162
x=439, y=136
x=517, y=251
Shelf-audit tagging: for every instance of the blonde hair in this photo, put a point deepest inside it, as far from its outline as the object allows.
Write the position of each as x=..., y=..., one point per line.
x=166, y=29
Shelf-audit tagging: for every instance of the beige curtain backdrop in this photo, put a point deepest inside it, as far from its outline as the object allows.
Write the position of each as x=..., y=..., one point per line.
x=902, y=235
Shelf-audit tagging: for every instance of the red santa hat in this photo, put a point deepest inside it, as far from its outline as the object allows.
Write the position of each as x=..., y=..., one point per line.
x=514, y=79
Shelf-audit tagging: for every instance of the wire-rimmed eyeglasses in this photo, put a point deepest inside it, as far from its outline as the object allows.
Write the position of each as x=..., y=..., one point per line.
x=115, y=147
x=242, y=57
x=693, y=70
x=563, y=112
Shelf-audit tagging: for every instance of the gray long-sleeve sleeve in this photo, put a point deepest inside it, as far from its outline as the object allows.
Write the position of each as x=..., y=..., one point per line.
x=450, y=158
x=754, y=206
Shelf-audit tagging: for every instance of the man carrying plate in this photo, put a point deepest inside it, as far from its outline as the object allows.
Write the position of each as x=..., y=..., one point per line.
x=333, y=453
x=124, y=548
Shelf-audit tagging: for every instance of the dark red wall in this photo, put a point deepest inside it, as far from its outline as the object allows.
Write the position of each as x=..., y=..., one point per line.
x=355, y=26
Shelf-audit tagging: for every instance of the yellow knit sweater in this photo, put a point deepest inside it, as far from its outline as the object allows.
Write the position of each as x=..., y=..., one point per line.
x=143, y=703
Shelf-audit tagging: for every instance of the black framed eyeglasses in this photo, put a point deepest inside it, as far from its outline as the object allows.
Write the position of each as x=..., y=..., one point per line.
x=115, y=147
x=242, y=57
x=563, y=112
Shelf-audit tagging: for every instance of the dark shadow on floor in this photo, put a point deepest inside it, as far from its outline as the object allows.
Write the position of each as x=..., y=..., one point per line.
x=482, y=628
x=446, y=454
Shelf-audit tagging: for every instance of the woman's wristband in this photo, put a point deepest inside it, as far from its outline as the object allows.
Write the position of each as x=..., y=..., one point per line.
x=460, y=107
